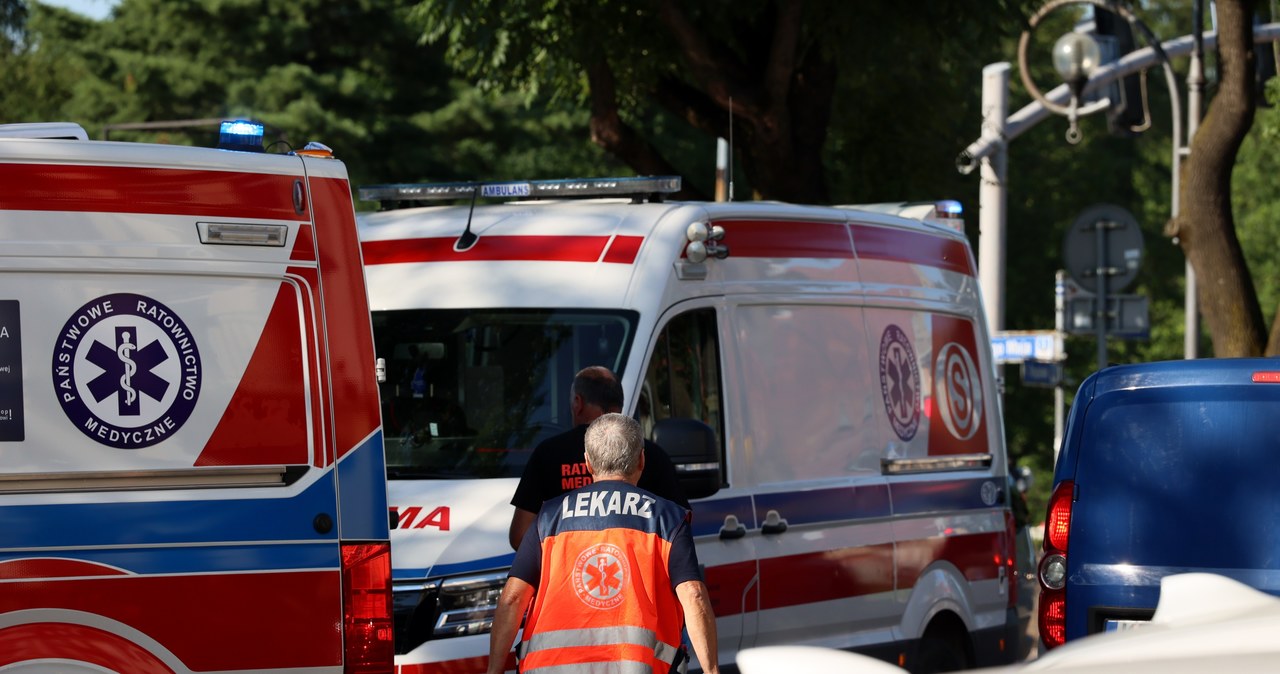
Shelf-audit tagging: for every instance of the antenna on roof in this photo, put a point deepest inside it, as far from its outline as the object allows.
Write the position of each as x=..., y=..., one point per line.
x=468, y=238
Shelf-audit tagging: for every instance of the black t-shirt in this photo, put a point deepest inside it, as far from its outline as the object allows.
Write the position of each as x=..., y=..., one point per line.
x=558, y=465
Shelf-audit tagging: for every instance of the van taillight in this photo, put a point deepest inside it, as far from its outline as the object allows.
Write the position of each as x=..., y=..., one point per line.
x=366, y=615
x=1058, y=522
x=1053, y=617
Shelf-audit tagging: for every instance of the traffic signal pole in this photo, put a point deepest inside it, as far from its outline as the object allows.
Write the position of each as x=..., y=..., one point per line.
x=990, y=152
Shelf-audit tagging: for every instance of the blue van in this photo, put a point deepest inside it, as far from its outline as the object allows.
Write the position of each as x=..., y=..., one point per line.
x=1165, y=468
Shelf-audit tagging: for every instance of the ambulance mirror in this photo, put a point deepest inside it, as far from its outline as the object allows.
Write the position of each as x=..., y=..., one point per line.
x=692, y=447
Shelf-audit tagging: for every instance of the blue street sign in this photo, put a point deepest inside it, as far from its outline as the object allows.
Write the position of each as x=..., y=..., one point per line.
x=1041, y=373
x=1015, y=347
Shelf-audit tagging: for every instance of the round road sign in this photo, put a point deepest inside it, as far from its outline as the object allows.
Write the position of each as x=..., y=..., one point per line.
x=1117, y=254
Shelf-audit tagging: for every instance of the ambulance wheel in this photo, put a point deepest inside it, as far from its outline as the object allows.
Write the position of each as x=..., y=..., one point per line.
x=941, y=651
x=940, y=655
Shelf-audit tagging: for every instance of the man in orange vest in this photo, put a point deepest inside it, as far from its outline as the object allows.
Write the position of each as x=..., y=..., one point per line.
x=607, y=574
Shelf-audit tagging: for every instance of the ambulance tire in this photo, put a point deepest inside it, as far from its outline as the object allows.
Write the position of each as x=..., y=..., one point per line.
x=940, y=655
x=941, y=650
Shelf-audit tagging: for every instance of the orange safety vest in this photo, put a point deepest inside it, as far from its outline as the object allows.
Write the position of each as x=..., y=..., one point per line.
x=604, y=600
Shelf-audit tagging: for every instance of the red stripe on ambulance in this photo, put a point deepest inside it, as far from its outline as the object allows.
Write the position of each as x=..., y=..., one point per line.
x=265, y=422
x=346, y=321
x=120, y=189
x=54, y=567
x=894, y=245
x=304, y=246
x=775, y=238
x=267, y=620
x=48, y=641
x=621, y=249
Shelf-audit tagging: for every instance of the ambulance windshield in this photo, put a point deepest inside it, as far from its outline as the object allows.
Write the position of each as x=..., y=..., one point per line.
x=469, y=394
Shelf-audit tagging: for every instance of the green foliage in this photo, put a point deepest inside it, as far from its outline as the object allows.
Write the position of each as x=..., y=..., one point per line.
x=38, y=75
x=349, y=74
x=902, y=103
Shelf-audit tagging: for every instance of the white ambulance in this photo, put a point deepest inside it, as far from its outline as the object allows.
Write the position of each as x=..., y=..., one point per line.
x=821, y=376
x=178, y=329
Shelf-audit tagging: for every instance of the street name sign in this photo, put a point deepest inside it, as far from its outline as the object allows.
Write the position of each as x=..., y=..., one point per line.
x=1016, y=346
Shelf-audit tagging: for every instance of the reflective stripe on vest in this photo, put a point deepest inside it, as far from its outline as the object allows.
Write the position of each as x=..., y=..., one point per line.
x=599, y=636
x=624, y=667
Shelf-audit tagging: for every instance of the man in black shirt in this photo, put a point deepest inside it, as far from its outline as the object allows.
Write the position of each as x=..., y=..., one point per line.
x=558, y=464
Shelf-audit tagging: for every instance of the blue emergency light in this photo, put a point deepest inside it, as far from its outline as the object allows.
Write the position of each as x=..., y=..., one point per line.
x=241, y=135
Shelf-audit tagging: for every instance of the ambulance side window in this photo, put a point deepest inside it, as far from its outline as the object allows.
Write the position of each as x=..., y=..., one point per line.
x=683, y=380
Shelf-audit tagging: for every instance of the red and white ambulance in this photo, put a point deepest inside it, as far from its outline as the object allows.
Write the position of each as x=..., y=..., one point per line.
x=821, y=377
x=191, y=459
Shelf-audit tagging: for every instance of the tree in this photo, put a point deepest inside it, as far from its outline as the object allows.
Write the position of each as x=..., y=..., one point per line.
x=13, y=19
x=1205, y=227
x=792, y=78
x=388, y=106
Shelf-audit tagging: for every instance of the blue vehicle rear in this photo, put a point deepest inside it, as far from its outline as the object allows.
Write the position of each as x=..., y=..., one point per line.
x=1165, y=468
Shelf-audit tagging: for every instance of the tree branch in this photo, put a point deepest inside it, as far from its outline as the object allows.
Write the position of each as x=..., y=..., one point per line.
x=618, y=138
x=692, y=105
x=723, y=77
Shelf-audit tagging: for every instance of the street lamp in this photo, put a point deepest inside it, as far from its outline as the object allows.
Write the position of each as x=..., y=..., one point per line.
x=1075, y=57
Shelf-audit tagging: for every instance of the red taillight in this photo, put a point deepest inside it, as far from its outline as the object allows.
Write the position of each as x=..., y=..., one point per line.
x=1053, y=566
x=1053, y=617
x=366, y=608
x=1057, y=524
x=1266, y=377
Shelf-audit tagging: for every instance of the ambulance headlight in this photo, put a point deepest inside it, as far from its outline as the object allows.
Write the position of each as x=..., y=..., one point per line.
x=467, y=604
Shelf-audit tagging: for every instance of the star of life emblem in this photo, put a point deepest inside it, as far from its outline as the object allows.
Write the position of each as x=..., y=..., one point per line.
x=900, y=382
x=600, y=575
x=126, y=370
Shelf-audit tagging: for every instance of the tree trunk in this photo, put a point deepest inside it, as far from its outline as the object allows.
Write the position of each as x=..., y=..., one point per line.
x=779, y=107
x=1204, y=227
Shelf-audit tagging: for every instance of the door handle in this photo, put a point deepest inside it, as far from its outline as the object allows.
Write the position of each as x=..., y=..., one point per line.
x=732, y=528
x=773, y=523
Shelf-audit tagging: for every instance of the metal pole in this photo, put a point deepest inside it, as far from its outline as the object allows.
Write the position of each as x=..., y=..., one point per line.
x=1101, y=272
x=1060, y=326
x=722, y=163
x=1195, y=85
x=992, y=194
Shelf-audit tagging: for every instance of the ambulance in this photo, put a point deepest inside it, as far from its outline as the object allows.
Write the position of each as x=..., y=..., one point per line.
x=192, y=473
x=821, y=377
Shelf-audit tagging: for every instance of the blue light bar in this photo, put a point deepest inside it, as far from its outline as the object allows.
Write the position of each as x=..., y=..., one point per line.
x=950, y=207
x=241, y=135
x=525, y=189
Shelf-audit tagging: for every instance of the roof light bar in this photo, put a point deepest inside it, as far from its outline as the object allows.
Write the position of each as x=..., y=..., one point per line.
x=524, y=189
x=241, y=134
